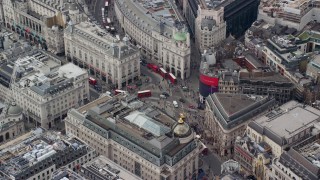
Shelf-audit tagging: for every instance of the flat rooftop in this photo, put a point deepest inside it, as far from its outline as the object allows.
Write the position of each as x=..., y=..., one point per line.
x=289, y=119
x=263, y=75
x=152, y=15
x=35, y=147
x=233, y=110
x=105, y=168
x=104, y=40
x=233, y=103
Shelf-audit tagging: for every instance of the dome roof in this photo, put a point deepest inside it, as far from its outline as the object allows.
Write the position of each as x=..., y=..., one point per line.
x=14, y=109
x=180, y=36
x=181, y=129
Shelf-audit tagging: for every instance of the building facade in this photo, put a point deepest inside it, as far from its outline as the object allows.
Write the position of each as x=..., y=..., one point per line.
x=42, y=22
x=210, y=27
x=115, y=62
x=45, y=89
x=139, y=138
x=266, y=82
x=159, y=33
x=227, y=116
x=11, y=123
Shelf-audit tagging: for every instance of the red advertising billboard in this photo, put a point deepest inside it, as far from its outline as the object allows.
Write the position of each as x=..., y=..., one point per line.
x=209, y=80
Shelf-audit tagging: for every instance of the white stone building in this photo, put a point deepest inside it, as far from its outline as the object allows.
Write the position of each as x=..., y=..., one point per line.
x=296, y=14
x=46, y=90
x=139, y=138
x=42, y=21
x=210, y=27
x=11, y=122
x=90, y=47
x=158, y=32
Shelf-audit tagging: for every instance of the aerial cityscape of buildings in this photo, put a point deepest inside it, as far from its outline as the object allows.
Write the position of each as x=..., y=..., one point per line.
x=159, y=89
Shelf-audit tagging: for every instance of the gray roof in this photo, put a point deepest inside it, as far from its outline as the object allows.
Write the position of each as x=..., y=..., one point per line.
x=234, y=109
x=14, y=110
x=286, y=121
x=299, y=165
x=210, y=23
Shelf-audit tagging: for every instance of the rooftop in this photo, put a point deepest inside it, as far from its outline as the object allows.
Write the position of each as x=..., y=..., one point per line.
x=233, y=103
x=107, y=43
x=66, y=174
x=214, y=4
x=153, y=15
x=286, y=121
x=104, y=168
x=303, y=158
x=35, y=148
x=234, y=109
x=143, y=125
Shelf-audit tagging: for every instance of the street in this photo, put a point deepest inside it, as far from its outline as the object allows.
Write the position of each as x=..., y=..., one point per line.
x=158, y=85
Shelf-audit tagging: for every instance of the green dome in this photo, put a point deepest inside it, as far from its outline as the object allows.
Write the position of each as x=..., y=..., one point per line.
x=14, y=110
x=180, y=36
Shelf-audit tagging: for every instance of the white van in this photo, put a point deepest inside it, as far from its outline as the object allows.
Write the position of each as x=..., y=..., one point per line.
x=175, y=104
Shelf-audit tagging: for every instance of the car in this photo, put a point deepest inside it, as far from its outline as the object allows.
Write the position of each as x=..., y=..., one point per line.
x=166, y=94
x=192, y=106
x=185, y=88
x=163, y=96
x=182, y=100
x=97, y=87
x=175, y=104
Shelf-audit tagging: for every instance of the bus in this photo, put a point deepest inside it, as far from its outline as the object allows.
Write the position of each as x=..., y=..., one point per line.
x=162, y=72
x=145, y=93
x=172, y=78
x=92, y=81
x=153, y=67
x=118, y=91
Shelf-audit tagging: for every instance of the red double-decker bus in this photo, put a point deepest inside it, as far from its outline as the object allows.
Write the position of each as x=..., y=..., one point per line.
x=163, y=72
x=92, y=81
x=145, y=93
x=118, y=91
x=154, y=67
x=172, y=78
